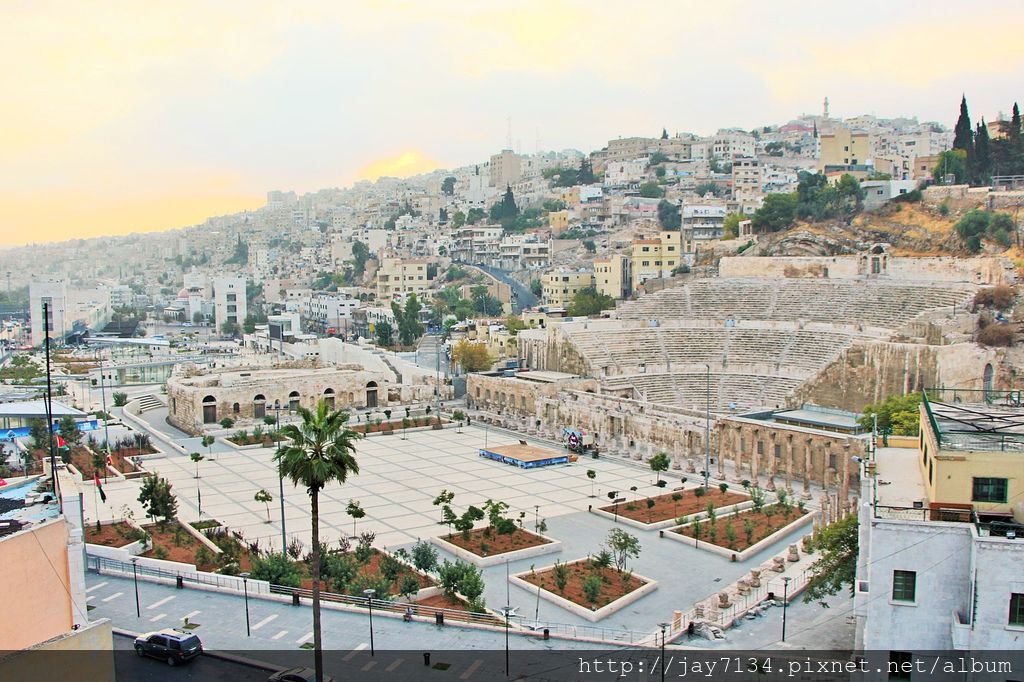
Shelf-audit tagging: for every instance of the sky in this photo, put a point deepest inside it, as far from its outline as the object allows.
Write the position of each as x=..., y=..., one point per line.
x=123, y=117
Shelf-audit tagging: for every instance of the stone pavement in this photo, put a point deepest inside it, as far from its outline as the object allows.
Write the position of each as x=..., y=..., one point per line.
x=398, y=479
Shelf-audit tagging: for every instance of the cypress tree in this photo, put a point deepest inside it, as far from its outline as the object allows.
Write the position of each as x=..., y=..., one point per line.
x=962, y=134
x=980, y=161
x=1015, y=124
x=664, y=133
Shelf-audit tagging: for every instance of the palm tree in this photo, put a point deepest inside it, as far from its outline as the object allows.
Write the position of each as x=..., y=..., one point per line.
x=322, y=450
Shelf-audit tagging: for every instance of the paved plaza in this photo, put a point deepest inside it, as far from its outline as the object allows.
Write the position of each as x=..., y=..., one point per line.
x=398, y=480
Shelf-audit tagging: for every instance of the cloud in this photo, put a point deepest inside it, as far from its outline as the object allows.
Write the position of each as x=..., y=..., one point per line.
x=403, y=165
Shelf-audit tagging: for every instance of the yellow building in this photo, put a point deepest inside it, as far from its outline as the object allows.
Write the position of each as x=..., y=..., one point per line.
x=401, y=276
x=970, y=453
x=560, y=286
x=612, y=276
x=655, y=257
x=844, y=147
x=558, y=222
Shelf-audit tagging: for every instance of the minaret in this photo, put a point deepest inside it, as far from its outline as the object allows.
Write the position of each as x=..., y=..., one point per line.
x=825, y=112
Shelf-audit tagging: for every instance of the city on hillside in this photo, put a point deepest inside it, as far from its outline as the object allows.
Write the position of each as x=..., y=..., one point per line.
x=686, y=396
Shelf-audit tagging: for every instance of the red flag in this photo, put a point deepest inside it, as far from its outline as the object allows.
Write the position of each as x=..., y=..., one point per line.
x=60, y=441
x=99, y=488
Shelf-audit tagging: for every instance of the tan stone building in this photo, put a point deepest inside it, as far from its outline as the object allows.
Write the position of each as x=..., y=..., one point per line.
x=402, y=276
x=613, y=276
x=558, y=221
x=200, y=398
x=560, y=286
x=655, y=257
x=844, y=147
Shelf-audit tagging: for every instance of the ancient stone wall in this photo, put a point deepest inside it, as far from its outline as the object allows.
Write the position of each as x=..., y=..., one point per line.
x=788, y=456
x=870, y=371
x=981, y=270
x=515, y=396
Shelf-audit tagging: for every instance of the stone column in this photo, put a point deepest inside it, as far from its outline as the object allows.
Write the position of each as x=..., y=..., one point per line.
x=773, y=462
x=738, y=461
x=789, y=464
x=807, y=470
x=844, y=476
x=755, y=457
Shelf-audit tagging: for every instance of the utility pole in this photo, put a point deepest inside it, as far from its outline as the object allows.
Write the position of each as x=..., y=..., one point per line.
x=49, y=406
x=707, y=431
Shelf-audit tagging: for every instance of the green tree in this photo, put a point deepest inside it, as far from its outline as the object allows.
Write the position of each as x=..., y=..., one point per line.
x=731, y=226
x=623, y=547
x=157, y=499
x=979, y=159
x=589, y=302
x=659, y=463
x=585, y=174
x=197, y=317
x=591, y=474
x=776, y=213
x=951, y=162
x=276, y=568
x=458, y=219
x=473, y=357
x=249, y=324
x=360, y=254
x=651, y=190
x=408, y=320
x=668, y=215
x=356, y=511
x=68, y=430
x=448, y=185
x=322, y=451
x=266, y=498
x=229, y=328
x=592, y=588
x=196, y=458
x=475, y=215
x=589, y=245
x=120, y=399
x=897, y=414
x=963, y=134
x=505, y=209
x=536, y=287
x=838, y=563
x=384, y=333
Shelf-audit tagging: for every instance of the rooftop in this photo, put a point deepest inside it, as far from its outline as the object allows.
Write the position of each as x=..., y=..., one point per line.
x=986, y=420
x=37, y=408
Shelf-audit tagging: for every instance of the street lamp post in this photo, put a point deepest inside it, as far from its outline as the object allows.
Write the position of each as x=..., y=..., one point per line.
x=135, y=575
x=245, y=591
x=663, y=627
x=369, y=602
x=280, y=475
x=707, y=430
x=785, y=603
x=507, y=612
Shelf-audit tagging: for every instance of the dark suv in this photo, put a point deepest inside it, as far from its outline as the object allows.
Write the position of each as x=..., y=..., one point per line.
x=169, y=645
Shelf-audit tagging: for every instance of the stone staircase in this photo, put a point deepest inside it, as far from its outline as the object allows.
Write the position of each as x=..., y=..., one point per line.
x=149, y=402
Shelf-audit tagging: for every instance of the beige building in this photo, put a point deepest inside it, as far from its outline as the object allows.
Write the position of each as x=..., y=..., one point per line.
x=844, y=147
x=655, y=257
x=506, y=169
x=558, y=222
x=613, y=276
x=560, y=286
x=747, y=183
x=402, y=276
x=201, y=398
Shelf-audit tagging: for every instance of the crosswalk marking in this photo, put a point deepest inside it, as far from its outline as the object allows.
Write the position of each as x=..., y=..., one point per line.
x=190, y=615
x=394, y=665
x=90, y=597
x=263, y=622
x=158, y=604
x=280, y=634
x=355, y=651
x=305, y=638
x=471, y=669
x=113, y=596
x=368, y=666
x=97, y=585
x=157, y=617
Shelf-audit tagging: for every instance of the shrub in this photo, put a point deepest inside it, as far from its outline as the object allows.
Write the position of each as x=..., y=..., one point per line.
x=120, y=399
x=160, y=553
x=700, y=492
x=944, y=209
x=424, y=556
x=203, y=557
x=724, y=487
x=275, y=568
x=995, y=335
x=1000, y=297
x=390, y=567
x=561, y=576
x=408, y=586
x=227, y=422
x=592, y=588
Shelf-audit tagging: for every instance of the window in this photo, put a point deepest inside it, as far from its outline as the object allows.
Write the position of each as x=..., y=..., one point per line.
x=904, y=585
x=988, y=490
x=831, y=460
x=231, y=298
x=900, y=665
x=1016, y=609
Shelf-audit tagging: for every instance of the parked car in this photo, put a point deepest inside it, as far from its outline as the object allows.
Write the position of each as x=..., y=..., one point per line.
x=296, y=675
x=172, y=646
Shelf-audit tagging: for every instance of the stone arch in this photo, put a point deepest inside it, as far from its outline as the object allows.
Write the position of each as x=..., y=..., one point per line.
x=209, y=410
x=988, y=379
x=293, y=401
x=371, y=394
x=236, y=408
x=329, y=397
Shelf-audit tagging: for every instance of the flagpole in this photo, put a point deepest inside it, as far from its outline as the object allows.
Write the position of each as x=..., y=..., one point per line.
x=49, y=406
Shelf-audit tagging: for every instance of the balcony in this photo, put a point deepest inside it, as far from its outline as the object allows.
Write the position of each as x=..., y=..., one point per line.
x=960, y=631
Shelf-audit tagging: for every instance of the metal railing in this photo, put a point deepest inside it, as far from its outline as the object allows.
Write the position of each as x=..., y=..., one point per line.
x=897, y=513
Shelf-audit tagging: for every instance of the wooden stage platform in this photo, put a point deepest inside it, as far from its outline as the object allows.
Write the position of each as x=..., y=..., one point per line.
x=525, y=456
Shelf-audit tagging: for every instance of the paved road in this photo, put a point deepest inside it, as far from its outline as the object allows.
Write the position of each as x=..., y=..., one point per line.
x=130, y=668
x=524, y=297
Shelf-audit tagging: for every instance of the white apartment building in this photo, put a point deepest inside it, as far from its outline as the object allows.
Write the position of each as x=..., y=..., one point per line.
x=702, y=223
x=229, y=300
x=326, y=311
x=69, y=310
x=729, y=144
x=524, y=252
x=942, y=533
x=747, y=183
x=620, y=173
x=477, y=244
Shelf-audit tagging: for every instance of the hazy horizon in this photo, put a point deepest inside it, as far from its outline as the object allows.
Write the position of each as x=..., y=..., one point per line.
x=143, y=119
